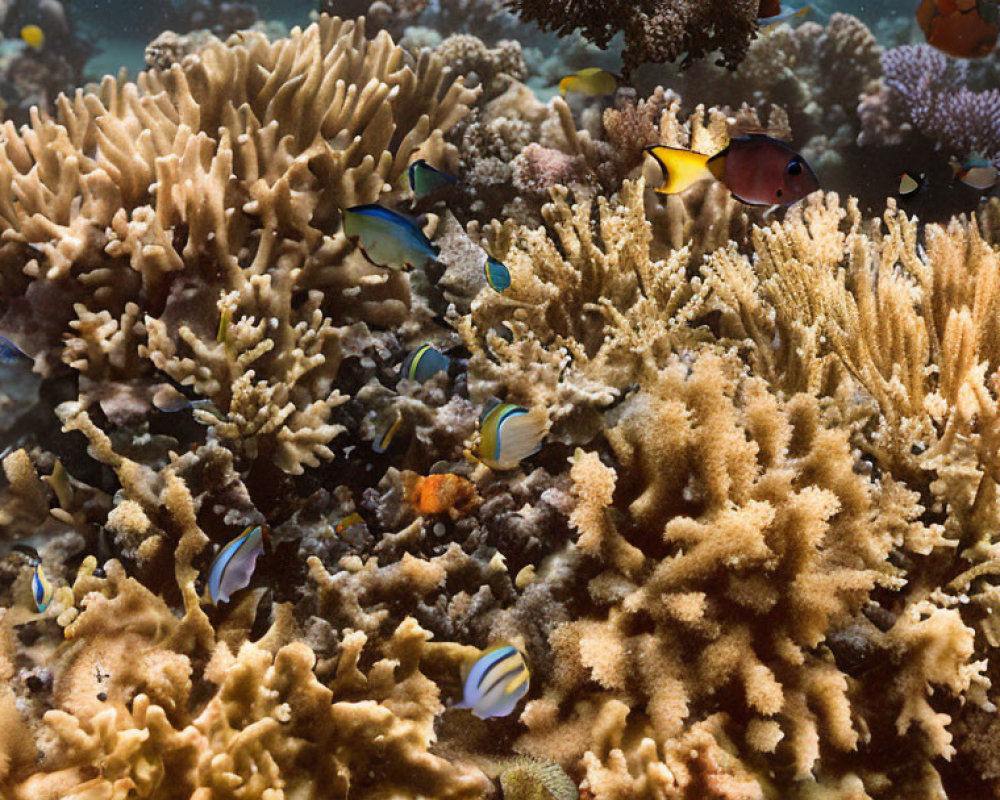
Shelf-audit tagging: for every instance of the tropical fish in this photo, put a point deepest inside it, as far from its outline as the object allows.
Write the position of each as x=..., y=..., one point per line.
x=383, y=439
x=423, y=364
x=41, y=588
x=233, y=566
x=497, y=275
x=960, y=28
x=352, y=519
x=508, y=434
x=225, y=318
x=757, y=169
x=10, y=353
x=910, y=183
x=781, y=13
x=592, y=81
x=387, y=238
x=33, y=36
x=978, y=172
x=425, y=179
x=495, y=682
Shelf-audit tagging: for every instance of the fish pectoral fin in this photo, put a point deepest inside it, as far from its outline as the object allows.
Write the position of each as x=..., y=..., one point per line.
x=681, y=168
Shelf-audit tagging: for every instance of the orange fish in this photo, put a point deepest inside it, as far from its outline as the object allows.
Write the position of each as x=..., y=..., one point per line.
x=960, y=28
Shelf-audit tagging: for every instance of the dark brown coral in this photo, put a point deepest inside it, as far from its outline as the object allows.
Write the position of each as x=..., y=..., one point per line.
x=655, y=30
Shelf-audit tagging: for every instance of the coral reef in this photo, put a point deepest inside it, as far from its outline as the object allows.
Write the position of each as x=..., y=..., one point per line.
x=755, y=555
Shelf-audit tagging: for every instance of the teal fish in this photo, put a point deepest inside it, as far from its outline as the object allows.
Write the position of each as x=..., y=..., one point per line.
x=508, y=434
x=387, y=238
x=423, y=364
x=425, y=179
x=234, y=566
x=383, y=439
x=781, y=13
x=497, y=275
x=496, y=682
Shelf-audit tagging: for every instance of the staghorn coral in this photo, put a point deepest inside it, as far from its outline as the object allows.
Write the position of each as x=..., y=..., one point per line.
x=662, y=31
x=214, y=193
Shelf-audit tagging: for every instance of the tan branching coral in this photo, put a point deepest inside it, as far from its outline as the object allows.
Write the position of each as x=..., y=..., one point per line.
x=214, y=189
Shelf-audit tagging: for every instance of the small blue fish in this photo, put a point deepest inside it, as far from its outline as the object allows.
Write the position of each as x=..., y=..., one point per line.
x=423, y=364
x=387, y=238
x=41, y=588
x=10, y=352
x=234, y=566
x=497, y=275
x=508, y=434
x=384, y=438
x=425, y=179
x=782, y=14
x=496, y=682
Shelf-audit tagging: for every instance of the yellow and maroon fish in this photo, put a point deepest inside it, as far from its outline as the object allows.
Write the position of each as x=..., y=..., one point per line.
x=757, y=169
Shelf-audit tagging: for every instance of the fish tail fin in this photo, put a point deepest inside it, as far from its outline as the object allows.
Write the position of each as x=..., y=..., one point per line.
x=681, y=168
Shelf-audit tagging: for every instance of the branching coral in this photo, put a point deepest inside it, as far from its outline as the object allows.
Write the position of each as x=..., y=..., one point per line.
x=214, y=189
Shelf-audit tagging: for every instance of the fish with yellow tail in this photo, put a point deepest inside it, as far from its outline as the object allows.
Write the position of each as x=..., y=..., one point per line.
x=508, y=434
x=387, y=238
x=233, y=567
x=592, y=82
x=773, y=13
x=495, y=682
x=757, y=169
x=41, y=588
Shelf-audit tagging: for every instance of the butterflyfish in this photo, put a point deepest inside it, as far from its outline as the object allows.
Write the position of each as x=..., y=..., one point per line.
x=977, y=172
x=508, y=434
x=757, y=170
x=423, y=364
x=497, y=275
x=387, y=238
x=352, y=519
x=496, y=682
x=385, y=434
x=960, y=28
x=592, y=81
x=41, y=587
x=33, y=36
x=10, y=352
x=910, y=183
x=234, y=565
x=425, y=179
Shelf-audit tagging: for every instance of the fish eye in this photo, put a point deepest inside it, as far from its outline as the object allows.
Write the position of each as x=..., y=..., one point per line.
x=780, y=192
x=794, y=167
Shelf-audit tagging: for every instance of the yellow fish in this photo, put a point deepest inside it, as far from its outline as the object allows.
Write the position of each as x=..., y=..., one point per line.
x=33, y=36
x=592, y=81
x=496, y=682
x=508, y=434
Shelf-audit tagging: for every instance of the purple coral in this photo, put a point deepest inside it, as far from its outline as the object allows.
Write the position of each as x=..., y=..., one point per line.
x=925, y=89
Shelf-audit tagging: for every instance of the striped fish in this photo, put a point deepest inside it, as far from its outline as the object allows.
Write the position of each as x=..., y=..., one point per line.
x=497, y=275
x=425, y=179
x=41, y=588
x=383, y=439
x=496, y=681
x=508, y=434
x=234, y=566
x=423, y=363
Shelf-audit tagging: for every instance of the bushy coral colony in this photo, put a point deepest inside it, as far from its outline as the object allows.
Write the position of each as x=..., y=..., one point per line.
x=395, y=415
